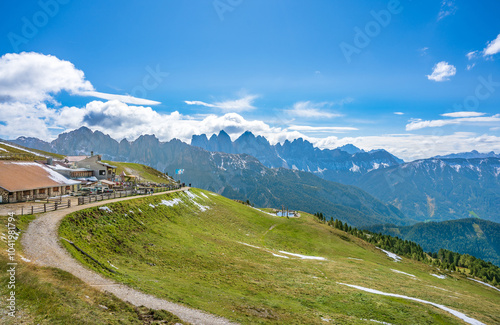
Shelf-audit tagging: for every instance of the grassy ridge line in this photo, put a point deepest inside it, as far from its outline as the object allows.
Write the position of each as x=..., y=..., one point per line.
x=46, y=295
x=196, y=257
x=41, y=153
x=147, y=173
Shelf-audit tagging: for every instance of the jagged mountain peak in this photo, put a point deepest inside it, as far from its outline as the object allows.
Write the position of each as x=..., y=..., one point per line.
x=469, y=155
x=350, y=148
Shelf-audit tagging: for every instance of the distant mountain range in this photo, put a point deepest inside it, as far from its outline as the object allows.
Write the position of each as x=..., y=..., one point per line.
x=451, y=187
x=237, y=176
x=434, y=189
x=343, y=164
x=439, y=189
x=479, y=238
x=469, y=155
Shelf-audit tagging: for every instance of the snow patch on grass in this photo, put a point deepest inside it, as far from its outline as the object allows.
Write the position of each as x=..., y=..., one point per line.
x=271, y=214
x=203, y=194
x=105, y=208
x=191, y=195
x=401, y=272
x=152, y=205
x=486, y=284
x=354, y=258
x=376, y=321
x=304, y=257
x=202, y=208
x=439, y=276
x=282, y=256
x=458, y=314
x=171, y=203
x=112, y=265
x=391, y=255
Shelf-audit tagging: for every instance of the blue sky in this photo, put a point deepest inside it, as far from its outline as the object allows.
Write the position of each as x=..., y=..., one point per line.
x=417, y=78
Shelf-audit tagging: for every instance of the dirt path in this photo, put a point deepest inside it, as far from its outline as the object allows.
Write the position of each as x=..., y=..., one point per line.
x=41, y=246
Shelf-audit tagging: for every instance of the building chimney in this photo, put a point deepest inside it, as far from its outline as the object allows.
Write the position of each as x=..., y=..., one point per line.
x=50, y=161
x=91, y=154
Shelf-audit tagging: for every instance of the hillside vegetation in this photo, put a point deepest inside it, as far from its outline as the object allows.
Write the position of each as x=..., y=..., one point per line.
x=476, y=237
x=145, y=173
x=232, y=260
x=47, y=295
x=18, y=152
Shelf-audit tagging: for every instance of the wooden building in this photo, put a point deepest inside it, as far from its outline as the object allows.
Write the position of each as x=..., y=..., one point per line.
x=23, y=181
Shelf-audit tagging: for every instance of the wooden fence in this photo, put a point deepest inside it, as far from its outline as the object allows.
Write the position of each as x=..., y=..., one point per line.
x=46, y=207
x=54, y=204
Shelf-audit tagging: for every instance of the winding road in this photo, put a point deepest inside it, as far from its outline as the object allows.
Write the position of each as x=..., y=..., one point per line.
x=41, y=245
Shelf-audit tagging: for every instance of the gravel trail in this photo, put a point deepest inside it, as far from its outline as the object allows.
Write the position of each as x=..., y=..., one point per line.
x=41, y=245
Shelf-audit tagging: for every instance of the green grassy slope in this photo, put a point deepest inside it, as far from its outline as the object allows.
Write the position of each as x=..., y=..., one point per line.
x=203, y=259
x=50, y=296
x=19, y=154
x=146, y=173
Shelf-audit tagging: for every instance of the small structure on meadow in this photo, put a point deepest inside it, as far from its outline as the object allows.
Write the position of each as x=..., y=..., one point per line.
x=22, y=181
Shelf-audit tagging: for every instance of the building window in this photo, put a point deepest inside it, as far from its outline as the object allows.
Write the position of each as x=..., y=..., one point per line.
x=68, y=188
x=102, y=172
x=55, y=189
x=41, y=191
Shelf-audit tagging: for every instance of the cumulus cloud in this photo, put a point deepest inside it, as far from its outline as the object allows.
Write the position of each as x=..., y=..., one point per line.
x=471, y=55
x=442, y=71
x=238, y=105
x=493, y=47
x=421, y=124
x=463, y=114
x=310, y=109
x=122, y=98
x=399, y=113
x=328, y=129
x=448, y=8
x=36, y=78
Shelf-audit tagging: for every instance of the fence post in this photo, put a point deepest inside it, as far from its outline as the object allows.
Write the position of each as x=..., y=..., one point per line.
x=45, y=207
x=31, y=209
x=22, y=211
x=69, y=203
x=55, y=206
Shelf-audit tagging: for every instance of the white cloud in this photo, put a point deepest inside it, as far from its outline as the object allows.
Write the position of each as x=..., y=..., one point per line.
x=310, y=109
x=399, y=113
x=36, y=78
x=472, y=55
x=238, y=105
x=442, y=71
x=421, y=124
x=122, y=98
x=493, y=47
x=123, y=121
x=463, y=114
x=447, y=8
x=329, y=129
x=423, y=51
x=470, y=66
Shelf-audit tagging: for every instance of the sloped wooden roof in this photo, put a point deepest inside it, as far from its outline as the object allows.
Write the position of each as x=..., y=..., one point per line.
x=23, y=176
